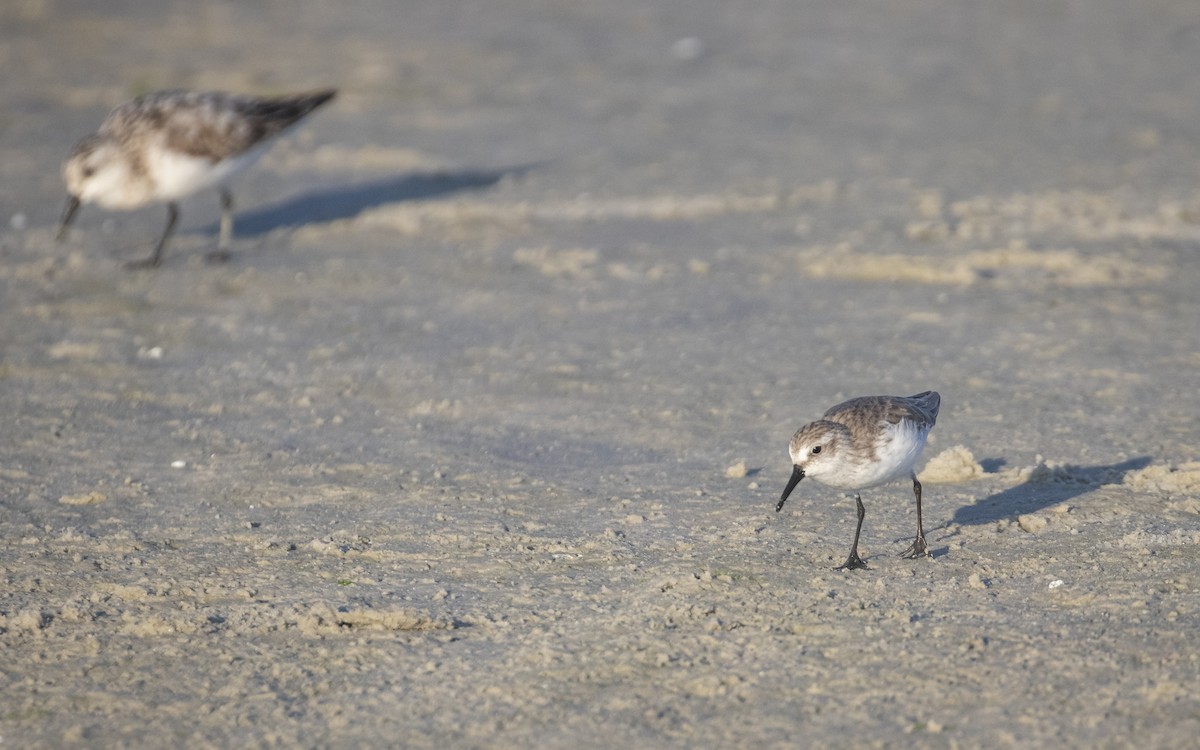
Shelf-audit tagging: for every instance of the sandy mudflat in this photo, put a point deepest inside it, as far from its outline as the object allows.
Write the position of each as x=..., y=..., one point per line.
x=476, y=441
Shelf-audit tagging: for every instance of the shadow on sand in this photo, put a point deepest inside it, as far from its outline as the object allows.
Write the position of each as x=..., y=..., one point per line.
x=348, y=201
x=1046, y=487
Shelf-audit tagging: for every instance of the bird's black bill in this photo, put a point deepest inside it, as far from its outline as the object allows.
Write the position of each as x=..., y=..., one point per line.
x=68, y=215
x=797, y=475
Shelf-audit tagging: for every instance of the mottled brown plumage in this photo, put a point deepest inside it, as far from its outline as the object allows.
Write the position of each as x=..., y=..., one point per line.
x=863, y=443
x=164, y=146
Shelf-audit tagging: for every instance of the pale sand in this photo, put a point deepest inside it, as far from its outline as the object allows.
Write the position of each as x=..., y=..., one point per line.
x=476, y=442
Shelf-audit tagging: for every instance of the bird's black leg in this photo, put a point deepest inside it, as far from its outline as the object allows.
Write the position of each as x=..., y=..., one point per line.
x=918, y=547
x=222, y=254
x=853, y=561
x=156, y=258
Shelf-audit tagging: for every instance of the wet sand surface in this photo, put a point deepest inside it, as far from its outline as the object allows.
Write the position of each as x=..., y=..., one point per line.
x=476, y=441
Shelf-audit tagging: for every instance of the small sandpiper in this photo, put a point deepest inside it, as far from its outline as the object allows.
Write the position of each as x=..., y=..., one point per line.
x=162, y=147
x=862, y=443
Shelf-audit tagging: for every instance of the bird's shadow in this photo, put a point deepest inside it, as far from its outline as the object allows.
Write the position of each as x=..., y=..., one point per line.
x=347, y=201
x=1045, y=487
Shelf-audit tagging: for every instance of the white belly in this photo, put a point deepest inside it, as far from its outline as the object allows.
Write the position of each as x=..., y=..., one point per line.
x=178, y=175
x=895, y=459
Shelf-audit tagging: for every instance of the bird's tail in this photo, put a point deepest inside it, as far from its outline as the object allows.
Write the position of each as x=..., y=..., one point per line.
x=284, y=111
x=929, y=402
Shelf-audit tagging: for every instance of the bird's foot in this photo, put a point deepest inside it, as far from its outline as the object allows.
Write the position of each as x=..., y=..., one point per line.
x=918, y=549
x=218, y=256
x=853, y=562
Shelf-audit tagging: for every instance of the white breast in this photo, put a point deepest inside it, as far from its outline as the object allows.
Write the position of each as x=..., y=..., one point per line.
x=177, y=175
x=899, y=447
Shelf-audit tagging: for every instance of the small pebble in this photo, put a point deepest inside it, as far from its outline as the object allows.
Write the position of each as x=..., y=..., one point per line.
x=688, y=48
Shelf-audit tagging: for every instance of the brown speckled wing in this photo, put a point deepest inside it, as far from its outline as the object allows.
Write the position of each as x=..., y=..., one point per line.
x=210, y=124
x=214, y=129
x=859, y=413
x=228, y=125
x=901, y=408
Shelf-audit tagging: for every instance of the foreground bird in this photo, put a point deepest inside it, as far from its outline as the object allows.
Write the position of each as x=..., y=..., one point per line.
x=162, y=147
x=862, y=443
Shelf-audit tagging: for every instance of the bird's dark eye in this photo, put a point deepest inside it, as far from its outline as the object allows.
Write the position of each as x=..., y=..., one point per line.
x=89, y=171
x=816, y=449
